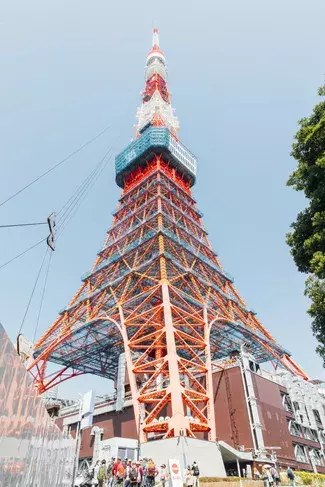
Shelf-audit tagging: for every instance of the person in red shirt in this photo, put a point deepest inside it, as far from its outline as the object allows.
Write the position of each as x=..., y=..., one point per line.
x=119, y=472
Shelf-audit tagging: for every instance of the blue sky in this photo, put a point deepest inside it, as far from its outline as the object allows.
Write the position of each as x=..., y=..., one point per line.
x=241, y=75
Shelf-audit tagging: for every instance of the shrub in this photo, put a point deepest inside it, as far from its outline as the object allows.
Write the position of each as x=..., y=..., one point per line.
x=311, y=478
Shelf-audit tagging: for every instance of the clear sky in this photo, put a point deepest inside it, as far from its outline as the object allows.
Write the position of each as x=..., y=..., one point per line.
x=241, y=73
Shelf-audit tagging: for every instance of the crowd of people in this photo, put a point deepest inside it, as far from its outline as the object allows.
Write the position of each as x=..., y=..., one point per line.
x=271, y=476
x=145, y=473
x=141, y=473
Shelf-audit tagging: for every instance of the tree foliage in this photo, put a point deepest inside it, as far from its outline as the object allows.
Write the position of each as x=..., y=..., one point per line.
x=307, y=238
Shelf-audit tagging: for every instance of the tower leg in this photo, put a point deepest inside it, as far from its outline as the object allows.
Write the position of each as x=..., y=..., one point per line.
x=209, y=382
x=178, y=422
x=132, y=379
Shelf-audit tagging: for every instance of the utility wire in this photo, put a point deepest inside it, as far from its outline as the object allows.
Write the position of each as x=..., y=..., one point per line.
x=80, y=189
x=69, y=216
x=33, y=290
x=85, y=185
x=74, y=203
x=82, y=192
x=42, y=297
x=22, y=253
x=23, y=225
x=55, y=165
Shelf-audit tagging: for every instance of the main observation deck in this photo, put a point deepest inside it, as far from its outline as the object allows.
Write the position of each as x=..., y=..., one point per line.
x=152, y=141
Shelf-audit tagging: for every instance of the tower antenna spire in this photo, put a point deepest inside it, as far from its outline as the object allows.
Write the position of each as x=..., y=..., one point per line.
x=155, y=37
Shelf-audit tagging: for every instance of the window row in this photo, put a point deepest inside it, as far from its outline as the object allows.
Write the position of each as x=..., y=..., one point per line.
x=304, y=454
x=297, y=429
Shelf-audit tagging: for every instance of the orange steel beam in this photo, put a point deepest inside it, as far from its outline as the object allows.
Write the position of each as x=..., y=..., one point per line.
x=157, y=299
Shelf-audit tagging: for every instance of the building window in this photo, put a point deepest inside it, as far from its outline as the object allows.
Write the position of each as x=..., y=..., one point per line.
x=287, y=404
x=296, y=405
x=300, y=454
x=295, y=429
x=316, y=457
x=322, y=436
x=126, y=453
x=314, y=435
x=317, y=416
x=307, y=434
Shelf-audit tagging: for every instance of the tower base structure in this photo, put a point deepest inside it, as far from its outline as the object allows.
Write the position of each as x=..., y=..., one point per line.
x=187, y=450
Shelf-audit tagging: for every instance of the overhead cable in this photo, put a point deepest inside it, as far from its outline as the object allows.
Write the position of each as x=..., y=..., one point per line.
x=33, y=290
x=22, y=253
x=55, y=165
x=42, y=296
x=23, y=225
x=81, y=189
x=75, y=208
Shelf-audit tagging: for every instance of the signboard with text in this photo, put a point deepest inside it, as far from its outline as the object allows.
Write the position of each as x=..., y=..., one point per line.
x=176, y=479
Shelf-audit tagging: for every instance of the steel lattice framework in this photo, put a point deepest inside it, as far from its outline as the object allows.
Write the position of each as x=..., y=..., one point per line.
x=157, y=290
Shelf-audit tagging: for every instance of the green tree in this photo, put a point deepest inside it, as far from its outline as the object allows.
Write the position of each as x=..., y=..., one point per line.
x=307, y=238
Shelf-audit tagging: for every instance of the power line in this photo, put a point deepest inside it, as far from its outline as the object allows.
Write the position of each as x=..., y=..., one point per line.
x=55, y=165
x=33, y=290
x=23, y=225
x=74, y=202
x=42, y=297
x=64, y=221
x=65, y=208
x=22, y=253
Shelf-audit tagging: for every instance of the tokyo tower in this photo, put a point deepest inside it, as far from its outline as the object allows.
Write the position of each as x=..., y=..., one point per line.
x=157, y=291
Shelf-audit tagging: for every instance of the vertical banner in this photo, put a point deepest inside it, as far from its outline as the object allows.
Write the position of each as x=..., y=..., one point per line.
x=88, y=402
x=176, y=479
x=120, y=386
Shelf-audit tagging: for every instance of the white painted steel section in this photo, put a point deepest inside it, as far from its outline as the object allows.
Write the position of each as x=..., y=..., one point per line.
x=157, y=106
x=252, y=404
x=120, y=389
x=183, y=155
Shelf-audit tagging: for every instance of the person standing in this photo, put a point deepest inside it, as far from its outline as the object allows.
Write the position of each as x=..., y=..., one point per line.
x=196, y=474
x=128, y=466
x=162, y=475
x=265, y=476
x=110, y=475
x=95, y=474
x=144, y=471
x=119, y=473
x=189, y=477
x=102, y=474
x=291, y=476
x=140, y=473
x=151, y=473
x=133, y=474
x=275, y=476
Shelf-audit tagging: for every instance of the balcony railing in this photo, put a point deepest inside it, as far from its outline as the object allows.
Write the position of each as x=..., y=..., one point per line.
x=152, y=139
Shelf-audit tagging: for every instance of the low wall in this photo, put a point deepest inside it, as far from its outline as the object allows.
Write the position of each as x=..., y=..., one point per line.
x=236, y=483
x=186, y=451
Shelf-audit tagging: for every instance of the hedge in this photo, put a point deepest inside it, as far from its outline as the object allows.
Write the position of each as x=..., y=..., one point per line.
x=311, y=478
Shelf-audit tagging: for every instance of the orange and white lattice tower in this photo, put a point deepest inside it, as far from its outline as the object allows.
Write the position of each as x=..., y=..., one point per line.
x=157, y=293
